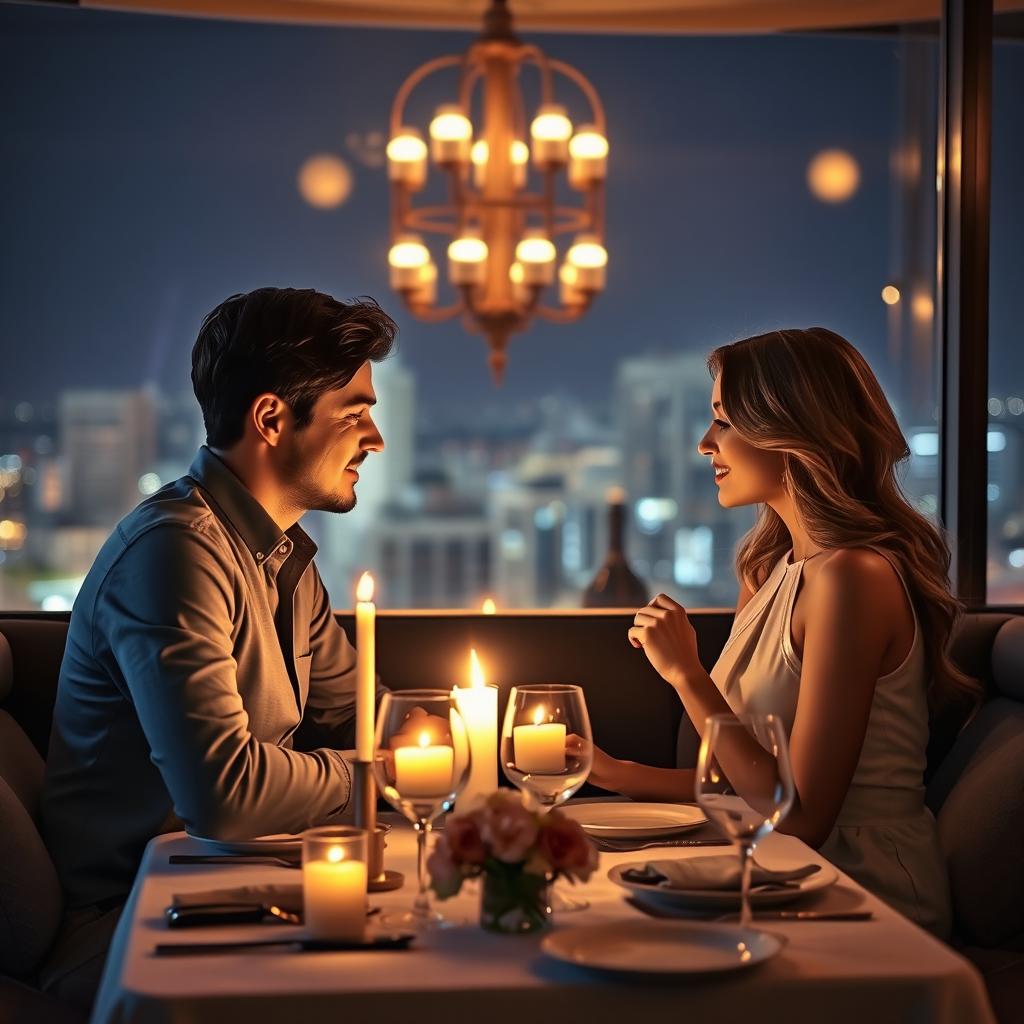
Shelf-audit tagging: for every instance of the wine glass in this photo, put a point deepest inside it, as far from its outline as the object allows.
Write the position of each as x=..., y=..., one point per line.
x=744, y=783
x=421, y=762
x=546, y=749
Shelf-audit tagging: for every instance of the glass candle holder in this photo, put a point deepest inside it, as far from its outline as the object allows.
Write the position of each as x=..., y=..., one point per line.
x=334, y=877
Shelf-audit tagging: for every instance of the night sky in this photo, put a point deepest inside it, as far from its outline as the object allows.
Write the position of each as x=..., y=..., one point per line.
x=148, y=169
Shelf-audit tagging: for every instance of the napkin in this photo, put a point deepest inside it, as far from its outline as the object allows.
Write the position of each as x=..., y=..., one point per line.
x=712, y=872
x=287, y=897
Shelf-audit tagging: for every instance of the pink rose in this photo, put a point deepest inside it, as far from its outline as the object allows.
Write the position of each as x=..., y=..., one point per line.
x=445, y=876
x=464, y=840
x=565, y=846
x=508, y=828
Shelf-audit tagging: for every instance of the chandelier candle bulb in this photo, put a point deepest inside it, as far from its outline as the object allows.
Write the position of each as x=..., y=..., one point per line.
x=451, y=136
x=519, y=155
x=406, y=260
x=550, y=131
x=426, y=289
x=467, y=260
x=568, y=293
x=366, y=656
x=536, y=253
x=520, y=291
x=590, y=258
x=539, y=747
x=424, y=771
x=407, y=159
x=478, y=705
x=588, y=157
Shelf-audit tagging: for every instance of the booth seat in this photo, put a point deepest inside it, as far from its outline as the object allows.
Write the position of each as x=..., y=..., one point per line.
x=975, y=774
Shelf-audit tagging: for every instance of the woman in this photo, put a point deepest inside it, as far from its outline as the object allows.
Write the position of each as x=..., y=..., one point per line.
x=843, y=617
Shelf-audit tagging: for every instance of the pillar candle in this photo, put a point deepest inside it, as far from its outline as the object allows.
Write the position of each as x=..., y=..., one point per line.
x=478, y=706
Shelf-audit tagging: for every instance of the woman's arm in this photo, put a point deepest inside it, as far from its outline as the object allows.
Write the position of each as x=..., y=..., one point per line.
x=641, y=781
x=849, y=628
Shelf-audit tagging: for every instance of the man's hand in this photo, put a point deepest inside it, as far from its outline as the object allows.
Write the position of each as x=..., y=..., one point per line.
x=664, y=631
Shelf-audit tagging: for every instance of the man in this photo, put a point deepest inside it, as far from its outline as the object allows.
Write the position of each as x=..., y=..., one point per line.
x=203, y=638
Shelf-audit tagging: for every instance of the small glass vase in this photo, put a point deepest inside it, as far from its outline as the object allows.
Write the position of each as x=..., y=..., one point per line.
x=514, y=902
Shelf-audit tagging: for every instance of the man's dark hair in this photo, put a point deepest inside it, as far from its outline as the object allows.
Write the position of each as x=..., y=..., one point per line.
x=296, y=344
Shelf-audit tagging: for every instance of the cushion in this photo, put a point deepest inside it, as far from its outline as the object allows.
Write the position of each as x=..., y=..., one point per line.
x=30, y=896
x=981, y=824
x=6, y=668
x=21, y=767
x=1008, y=659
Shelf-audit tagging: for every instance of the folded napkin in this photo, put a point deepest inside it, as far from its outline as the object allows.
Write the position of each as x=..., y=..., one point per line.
x=711, y=872
x=287, y=897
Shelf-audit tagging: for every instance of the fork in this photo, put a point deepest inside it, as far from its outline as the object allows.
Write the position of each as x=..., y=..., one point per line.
x=623, y=846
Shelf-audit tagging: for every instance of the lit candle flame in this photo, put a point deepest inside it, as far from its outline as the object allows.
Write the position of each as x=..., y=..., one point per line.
x=335, y=854
x=424, y=739
x=364, y=589
x=538, y=715
x=476, y=673
x=489, y=607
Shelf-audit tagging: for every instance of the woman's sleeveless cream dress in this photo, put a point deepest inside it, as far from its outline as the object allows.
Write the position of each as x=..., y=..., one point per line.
x=884, y=837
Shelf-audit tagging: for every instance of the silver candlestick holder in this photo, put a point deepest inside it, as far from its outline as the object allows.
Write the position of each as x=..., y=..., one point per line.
x=364, y=787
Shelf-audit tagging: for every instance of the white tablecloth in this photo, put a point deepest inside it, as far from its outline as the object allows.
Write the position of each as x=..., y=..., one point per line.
x=869, y=972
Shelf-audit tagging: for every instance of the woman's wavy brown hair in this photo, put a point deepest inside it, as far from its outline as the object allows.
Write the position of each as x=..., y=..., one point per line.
x=811, y=395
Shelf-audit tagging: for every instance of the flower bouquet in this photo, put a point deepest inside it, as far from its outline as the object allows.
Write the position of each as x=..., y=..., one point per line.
x=518, y=852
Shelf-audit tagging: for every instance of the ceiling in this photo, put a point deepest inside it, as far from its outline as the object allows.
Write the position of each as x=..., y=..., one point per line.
x=640, y=16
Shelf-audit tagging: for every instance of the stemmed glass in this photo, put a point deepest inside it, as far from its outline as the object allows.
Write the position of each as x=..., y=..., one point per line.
x=546, y=749
x=744, y=783
x=421, y=762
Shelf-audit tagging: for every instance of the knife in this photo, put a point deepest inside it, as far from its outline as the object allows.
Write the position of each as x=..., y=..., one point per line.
x=392, y=940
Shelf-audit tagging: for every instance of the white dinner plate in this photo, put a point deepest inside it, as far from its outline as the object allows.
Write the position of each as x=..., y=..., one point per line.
x=270, y=846
x=662, y=947
x=696, y=899
x=633, y=820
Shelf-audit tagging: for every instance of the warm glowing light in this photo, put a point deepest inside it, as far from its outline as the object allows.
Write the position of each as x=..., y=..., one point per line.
x=551, y=124
x=450, y=135
x=325, y=181
x=450, y=124
x=569, y=293
x=590, y=260
x=516, y=274
x=12, y=534
x=407, y=158
x=407, y=258
x=519, y=154
x=407, y=147
x=468, y=249
x=478, y=154
x=833, y=175
x=335, y=854
x=890, y=295
x=489, y=607
x=535, y=249
x=424, y=739
x=587, y=253
x=476, y=673
x=588, y=144
x=408, y=253
x=364, y=589
x=538, y=715
x=467, y=260
x=922, y=306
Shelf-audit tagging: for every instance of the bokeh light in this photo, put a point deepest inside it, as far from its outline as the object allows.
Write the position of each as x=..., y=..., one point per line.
x=325, y=181
x=833, y=176
x=890, y=295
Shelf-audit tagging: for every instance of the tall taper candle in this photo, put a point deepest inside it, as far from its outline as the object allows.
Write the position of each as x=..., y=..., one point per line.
x=366, y=657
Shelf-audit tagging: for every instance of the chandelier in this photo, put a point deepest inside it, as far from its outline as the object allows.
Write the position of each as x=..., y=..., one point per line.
x=503, y=210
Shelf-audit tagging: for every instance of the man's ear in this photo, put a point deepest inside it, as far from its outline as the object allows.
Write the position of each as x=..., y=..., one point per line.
x=269, y=414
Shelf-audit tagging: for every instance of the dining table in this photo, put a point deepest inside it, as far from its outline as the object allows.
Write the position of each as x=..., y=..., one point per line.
x=877, y=970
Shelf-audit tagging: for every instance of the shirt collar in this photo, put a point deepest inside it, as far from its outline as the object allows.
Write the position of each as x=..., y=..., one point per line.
x=260, y=534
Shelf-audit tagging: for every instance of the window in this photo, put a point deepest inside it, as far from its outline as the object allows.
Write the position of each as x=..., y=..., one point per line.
x=1006, y=335
x=754, y=182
